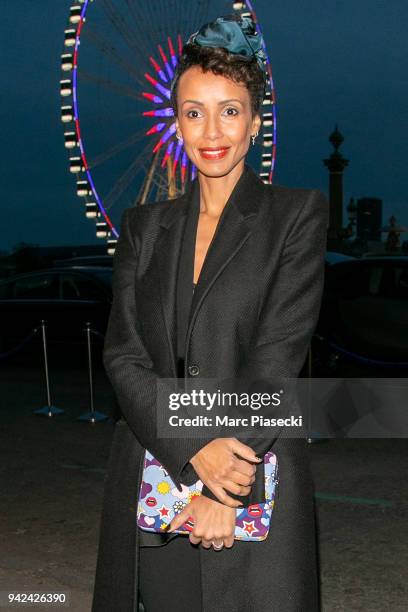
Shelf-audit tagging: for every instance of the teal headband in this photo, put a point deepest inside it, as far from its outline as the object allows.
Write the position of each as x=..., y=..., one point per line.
x=236, y=34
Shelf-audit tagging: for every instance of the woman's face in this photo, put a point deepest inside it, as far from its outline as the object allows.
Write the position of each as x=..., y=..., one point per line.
x=215, y=120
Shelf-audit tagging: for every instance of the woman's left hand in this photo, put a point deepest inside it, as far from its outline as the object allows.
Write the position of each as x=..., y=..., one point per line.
x=214, y=523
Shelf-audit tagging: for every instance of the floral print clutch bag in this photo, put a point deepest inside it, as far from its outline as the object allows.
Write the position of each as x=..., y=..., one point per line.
x=160, y=500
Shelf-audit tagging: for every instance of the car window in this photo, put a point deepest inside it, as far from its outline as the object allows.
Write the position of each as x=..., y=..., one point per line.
x=105, y=276
x=77, y=287
x=41, y=287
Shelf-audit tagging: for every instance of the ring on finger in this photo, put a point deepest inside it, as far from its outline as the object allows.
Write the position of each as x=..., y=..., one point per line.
x=217, y=546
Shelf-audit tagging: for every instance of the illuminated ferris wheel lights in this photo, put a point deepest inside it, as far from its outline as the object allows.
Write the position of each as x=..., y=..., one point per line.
x=268, y=143
x=76, y=165
x=267, y=119
x=172, y=52
x=67, y=61
x=66, y=87
x=177, y=156
x=184, y=161
x=83, y=189
x=180, y=44
x=91, y=210
x=160, y=112
x=67, y=114
x=156, y=128
x=163, y=55
x=70, y=37
x=158, y=69
x=70, y=139
x=157, y=146
x=169, y=132
x=89, y=214
x=75, y=14
x=167, y=154
x=101, y=229
x=158, y=86
x=111, y=246
x=152, y=98
x=166, y=63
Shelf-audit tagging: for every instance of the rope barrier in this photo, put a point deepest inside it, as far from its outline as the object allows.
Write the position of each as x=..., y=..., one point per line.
x=17, y=348
x=366, y=360
x=31, y=335
x=333, y=345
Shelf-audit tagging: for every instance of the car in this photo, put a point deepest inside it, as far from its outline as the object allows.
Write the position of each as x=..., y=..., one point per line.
x=66, y=298
x=89, y=260
x=364, y=312
x=332, y=258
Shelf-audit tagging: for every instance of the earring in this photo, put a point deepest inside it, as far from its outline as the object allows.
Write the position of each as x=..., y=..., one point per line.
x=179, y=138
x=253, y=137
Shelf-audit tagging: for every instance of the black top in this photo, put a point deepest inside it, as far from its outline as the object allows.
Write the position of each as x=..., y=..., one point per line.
x=185, y=276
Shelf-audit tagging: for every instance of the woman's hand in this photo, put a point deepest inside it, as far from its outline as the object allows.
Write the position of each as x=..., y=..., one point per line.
x=221, y=470
x=214, y=523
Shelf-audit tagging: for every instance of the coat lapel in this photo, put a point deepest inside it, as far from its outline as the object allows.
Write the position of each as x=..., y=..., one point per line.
x=233, y=230
x=167, y=253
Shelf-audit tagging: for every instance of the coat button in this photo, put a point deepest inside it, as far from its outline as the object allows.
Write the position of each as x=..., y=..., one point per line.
x=193, y=370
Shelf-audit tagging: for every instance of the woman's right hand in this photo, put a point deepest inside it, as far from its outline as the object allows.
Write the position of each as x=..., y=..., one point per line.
x=221, y=470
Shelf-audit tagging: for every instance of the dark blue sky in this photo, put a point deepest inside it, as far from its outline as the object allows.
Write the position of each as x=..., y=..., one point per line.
x=343, y=62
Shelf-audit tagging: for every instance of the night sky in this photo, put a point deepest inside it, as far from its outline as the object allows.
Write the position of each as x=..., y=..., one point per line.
x=333, y=62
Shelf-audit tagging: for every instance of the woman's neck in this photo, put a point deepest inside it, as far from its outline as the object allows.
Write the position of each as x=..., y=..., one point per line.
x=215, y=191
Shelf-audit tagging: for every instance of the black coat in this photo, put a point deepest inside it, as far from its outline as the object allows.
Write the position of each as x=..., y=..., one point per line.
x=253, y=314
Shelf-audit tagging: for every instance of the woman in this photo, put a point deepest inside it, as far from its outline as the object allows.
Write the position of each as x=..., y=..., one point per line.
x=255, y=254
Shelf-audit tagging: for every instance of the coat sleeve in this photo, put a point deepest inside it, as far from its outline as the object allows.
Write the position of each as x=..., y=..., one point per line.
x=130, y=368
x=291, y=308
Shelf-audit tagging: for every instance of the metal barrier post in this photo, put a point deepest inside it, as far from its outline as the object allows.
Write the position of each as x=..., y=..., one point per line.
x=48, y=410
x=92, y=416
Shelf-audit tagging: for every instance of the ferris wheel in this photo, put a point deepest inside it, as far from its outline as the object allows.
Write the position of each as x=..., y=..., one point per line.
x=118, y=60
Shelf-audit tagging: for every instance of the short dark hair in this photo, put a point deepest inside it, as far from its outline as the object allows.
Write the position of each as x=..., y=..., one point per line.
x=220, y=61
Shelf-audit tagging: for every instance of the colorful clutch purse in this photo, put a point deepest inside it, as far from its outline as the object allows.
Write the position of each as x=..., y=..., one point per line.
x=160, y=500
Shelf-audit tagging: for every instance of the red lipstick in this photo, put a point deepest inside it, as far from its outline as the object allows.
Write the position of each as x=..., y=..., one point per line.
x=214, y=152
